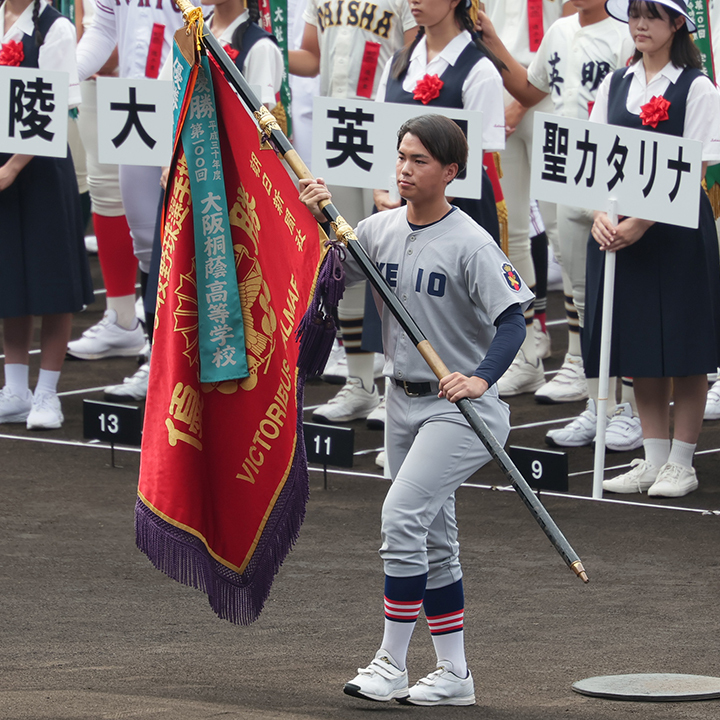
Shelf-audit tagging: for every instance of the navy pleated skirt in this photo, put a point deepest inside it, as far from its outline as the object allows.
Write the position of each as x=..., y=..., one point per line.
x=43, y=263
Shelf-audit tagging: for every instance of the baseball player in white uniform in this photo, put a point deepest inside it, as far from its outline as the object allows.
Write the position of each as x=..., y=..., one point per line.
x=143, y=34
x=465, y=294
x=348, y=43
x=575, y=55
x=522, y=35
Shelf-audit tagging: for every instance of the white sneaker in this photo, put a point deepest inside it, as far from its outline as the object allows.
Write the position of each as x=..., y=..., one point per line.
x=376, y=419
x=380, y=459
x=13, y=408
x=577, y=433
x=132, y=388
x=442, y=687
x=107, y=339
x=712, y=404
x=352, y=402
x=674, y=480
x=623, y=431
x=568, y=385
x=639, y=478
x=381, y=680
x=542, y=341
x=46, y=413
x=521, y=377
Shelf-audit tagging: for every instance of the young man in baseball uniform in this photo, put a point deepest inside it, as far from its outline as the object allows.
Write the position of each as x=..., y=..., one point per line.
x=463, y=291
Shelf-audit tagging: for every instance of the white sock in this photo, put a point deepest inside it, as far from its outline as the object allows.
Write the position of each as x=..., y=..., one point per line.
x=574, y=344
x=593, y=388
x=361, y=365
x=124, y=306
x=657, y=451
x=682, y=453
x=396, y=640
x=47, y=381
x=16, y=378
x=451, y=647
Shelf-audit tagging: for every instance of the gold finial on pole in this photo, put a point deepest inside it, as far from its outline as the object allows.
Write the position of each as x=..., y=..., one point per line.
x=266, y=120
x=193, y=19
x=342, y=230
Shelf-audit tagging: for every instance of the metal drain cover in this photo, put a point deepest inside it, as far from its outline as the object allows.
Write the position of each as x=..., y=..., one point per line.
x=653, y=687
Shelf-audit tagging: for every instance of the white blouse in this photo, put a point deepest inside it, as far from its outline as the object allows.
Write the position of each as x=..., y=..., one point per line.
x=702, y=115
x=56, y=53
x=482, y=90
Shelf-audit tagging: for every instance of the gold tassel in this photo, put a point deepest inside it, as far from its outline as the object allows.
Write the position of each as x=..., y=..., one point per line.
x=498, y=164
x=714, y=194
x=473, y=11
x=281, y=116
x=502, y=213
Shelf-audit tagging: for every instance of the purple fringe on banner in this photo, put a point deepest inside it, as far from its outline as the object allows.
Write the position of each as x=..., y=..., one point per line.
x=238, y=598
x=318, y=327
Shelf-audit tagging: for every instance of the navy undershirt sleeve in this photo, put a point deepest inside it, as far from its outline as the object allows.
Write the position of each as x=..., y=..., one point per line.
x=509, y=337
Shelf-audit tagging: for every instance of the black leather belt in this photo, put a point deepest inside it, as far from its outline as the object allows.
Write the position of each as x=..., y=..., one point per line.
x=413, y=389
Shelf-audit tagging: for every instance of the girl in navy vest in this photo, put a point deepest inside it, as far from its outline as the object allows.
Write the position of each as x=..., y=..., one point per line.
x=448, y=65
x=43, y=264
x=666, y=322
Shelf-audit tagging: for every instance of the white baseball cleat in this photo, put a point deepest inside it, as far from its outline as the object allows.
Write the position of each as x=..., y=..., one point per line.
x=623, y=431
x=107, y=339
x=381, y=680
x=578, y=432
x=442, y=687
x=353, y=401
x=712, y=404
x=521, y=377
x=568, y=385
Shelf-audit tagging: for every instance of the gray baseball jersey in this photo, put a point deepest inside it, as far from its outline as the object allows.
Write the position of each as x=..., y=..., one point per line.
x=454, y=281
x=356, y=39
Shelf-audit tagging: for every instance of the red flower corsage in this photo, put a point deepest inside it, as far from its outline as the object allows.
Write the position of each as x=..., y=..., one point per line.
x=11, y=53
x=427, y=89
x=655, y=111
x=231, y=51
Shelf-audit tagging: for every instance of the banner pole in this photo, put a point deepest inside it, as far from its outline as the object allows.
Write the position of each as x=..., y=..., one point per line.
x=604, y=374
x=343, y=231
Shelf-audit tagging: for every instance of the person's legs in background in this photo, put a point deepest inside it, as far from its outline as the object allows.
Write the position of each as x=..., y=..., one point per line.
x=526, y=373
x=119, y=333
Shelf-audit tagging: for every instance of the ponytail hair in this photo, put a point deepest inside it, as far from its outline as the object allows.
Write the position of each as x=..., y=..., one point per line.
x=39, y=37
x=402, y=59
x=253, y=8
x=463, y=21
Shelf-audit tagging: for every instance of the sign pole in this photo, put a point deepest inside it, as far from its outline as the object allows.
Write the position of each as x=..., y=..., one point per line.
x=605, y=343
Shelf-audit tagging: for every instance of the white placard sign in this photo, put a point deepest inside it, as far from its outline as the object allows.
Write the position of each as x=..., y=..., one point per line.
x=33, y=111
x=355, y=142
x=651, y=175
x=134, y=121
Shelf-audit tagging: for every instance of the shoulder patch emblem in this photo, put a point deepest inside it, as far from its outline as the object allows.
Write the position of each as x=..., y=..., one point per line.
x=511, y=277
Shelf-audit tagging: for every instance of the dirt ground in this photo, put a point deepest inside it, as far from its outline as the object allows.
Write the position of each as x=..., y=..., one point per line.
x=89, y=629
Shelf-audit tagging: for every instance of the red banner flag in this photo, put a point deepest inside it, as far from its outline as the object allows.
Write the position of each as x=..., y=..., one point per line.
x=223, y=475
